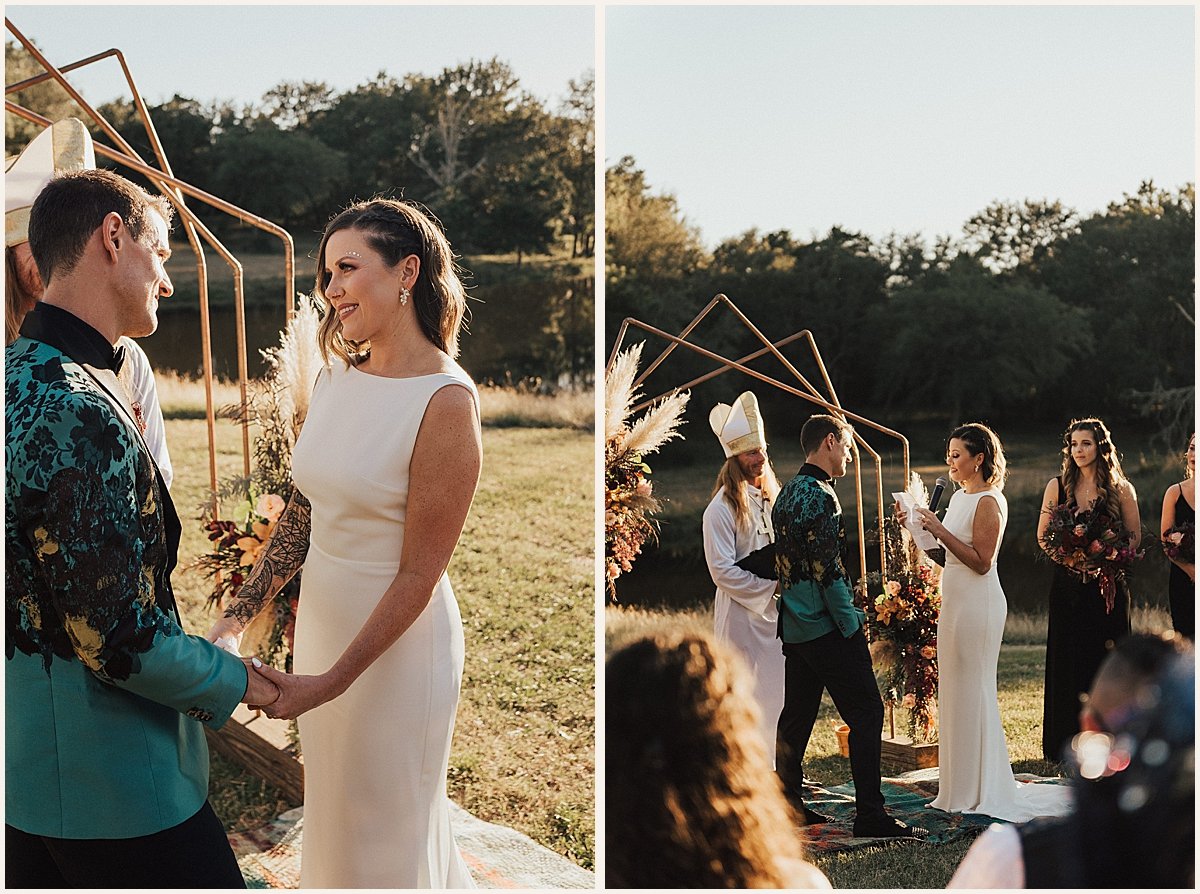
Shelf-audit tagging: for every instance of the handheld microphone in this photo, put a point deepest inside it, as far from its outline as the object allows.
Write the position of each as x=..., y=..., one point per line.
x=938, y=488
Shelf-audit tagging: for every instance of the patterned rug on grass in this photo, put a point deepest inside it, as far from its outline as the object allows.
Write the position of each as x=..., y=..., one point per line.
x=497, y=856
x=907, y=797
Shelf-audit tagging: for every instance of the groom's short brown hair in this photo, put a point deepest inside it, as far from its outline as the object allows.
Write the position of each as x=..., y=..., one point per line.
x=817, y=428
x=73, y=204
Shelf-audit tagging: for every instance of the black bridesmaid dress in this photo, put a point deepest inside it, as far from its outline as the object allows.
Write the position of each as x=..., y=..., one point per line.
x=1079, y=635
x=1180, y=589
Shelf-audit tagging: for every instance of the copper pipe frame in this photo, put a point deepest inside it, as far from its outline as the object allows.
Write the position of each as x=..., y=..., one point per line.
x=174, y=189
x=813, y=396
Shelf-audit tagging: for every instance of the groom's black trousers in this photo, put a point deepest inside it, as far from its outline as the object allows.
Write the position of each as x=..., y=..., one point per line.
x=843, y=666
x=194, y=854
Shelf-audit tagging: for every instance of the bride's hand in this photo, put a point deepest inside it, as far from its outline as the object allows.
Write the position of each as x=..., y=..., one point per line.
x=899, y=514
x=297, y=692
x=930, y=522
x=226, y=633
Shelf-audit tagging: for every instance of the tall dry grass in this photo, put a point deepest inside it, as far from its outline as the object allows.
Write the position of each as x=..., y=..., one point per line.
x=182, y=397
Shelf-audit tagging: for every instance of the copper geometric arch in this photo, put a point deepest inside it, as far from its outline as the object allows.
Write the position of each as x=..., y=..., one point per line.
x=805, y=391
x=174, y=190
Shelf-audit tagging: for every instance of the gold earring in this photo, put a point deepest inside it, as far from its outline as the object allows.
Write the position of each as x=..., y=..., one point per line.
x=405, y=294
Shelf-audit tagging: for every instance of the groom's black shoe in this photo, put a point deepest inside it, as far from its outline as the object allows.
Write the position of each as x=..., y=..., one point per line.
x=887, y=827
x=811, y=817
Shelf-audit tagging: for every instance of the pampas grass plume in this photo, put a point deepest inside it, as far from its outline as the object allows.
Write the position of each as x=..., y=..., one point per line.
x=296, y=362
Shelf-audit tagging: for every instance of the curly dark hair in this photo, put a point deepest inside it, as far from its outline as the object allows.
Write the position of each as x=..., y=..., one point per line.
x=1109, y=473
x=691, y=801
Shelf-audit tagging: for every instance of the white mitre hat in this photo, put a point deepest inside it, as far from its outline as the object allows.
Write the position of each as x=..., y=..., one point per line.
x=64, y=146
x=739, y=428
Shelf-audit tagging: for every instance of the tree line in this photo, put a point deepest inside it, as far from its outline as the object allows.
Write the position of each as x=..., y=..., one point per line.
x=1031, y=312
x=504, y=172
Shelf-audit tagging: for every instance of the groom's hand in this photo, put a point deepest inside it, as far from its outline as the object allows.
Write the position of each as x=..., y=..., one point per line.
x=260, y=691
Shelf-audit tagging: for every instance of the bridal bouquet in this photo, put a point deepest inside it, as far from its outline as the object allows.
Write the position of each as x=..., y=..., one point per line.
x=1091, y=546
x=902, y=622
x=1179, y=542
x=629, y=501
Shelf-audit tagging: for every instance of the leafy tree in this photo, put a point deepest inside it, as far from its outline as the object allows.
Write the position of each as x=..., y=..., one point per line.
x=47, y=99
x=522, y=197
x=1132, y=268
x=646, y=234
x=1008, y=236
x=278, y=174
x=972, y=343
x=292, y=104
x=577, y=159
x=373, y=126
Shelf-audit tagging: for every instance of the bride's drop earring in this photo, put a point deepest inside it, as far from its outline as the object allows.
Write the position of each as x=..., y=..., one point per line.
x=405, y=294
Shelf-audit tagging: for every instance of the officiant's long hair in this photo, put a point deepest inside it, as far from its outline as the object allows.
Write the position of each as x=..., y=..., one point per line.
x=691, y=800
x=734, y=480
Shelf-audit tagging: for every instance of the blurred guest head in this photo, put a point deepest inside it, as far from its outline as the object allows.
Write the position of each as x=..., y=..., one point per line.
x=1135, y=820
x=691, y=800
x=1124, y=684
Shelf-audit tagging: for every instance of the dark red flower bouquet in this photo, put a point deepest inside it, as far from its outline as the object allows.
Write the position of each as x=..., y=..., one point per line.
x=1091, y=546
x=1179, y=542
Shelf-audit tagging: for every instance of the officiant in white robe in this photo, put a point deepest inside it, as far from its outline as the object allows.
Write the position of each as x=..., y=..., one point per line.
x=736, y=523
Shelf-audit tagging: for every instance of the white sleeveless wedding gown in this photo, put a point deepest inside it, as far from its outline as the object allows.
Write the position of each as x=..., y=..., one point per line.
x=376, y=814
x=974, y=774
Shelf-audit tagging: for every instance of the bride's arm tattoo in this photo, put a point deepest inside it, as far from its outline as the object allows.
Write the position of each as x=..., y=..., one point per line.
x=280, y=559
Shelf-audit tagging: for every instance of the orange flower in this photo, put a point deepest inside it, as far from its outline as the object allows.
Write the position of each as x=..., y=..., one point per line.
x=250, y=547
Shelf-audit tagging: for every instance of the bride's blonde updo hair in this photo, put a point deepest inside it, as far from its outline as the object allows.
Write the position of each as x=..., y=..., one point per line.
x=979, y=439
x=396, y=229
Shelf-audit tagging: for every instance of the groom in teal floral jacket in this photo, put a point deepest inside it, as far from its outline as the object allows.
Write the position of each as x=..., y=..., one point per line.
x=106, y=767
x=824, y=645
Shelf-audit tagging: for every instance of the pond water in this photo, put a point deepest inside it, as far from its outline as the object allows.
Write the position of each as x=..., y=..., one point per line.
x=540, y=330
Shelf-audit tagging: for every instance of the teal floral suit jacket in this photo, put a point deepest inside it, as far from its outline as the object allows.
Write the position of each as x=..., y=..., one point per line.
x=811, y=558
x=105, y=693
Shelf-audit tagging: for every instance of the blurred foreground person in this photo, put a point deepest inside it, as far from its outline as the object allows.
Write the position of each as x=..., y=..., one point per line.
x=1134, y=821
x=691, y=799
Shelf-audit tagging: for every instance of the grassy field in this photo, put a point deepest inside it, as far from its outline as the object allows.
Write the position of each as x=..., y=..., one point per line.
x=523, y=751
x=1020, y=677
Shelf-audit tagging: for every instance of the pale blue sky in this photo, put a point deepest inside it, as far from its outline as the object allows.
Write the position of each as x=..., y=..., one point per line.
x=893, y=118
x=239, y=52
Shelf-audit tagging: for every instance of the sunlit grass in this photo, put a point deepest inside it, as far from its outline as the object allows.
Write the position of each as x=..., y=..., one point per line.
x=501, y=406
x=504, y=406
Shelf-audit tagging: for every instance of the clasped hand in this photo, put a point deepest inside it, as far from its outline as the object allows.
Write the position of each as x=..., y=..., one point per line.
x=274, y=693
x=297, y=692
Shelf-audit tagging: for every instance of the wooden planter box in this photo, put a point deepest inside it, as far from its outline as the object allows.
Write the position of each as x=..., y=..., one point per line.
x=899, y=754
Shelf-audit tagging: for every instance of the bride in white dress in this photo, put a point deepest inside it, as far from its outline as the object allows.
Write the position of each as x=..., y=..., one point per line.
x=384, y=470
x=975, y=775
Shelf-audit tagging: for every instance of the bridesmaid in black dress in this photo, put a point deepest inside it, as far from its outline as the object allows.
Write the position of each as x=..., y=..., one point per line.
x=1179, y=506
x=1081, y=630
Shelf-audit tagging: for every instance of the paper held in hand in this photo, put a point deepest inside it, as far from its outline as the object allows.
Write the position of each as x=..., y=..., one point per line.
x=921, y=537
